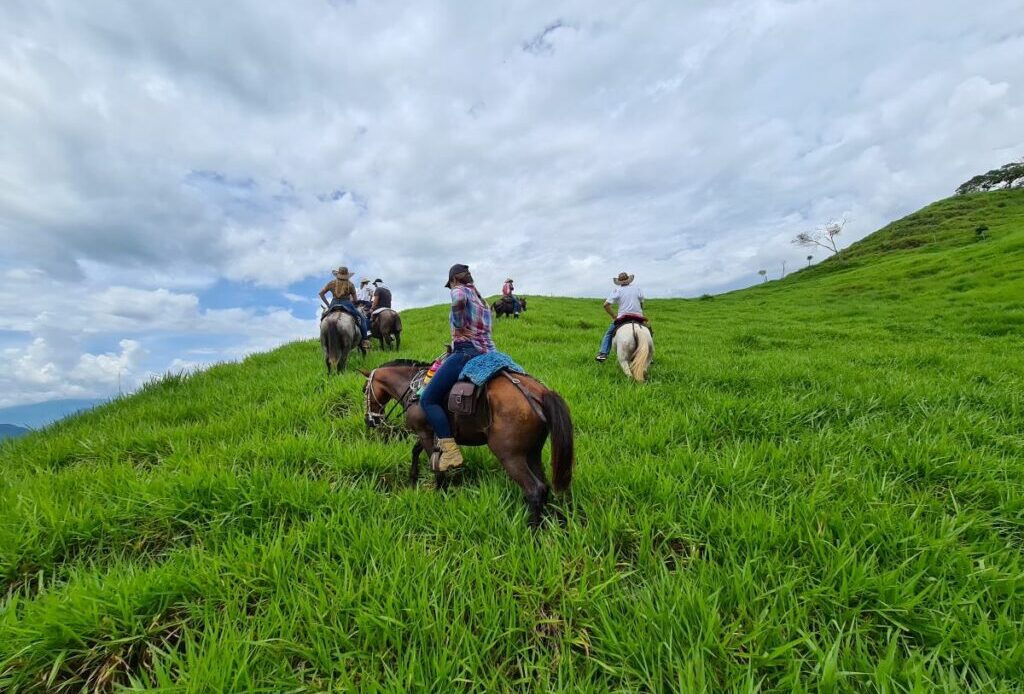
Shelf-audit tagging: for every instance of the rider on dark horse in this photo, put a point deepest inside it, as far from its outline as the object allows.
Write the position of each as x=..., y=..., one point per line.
x=508, y=290
x=343, y=297
x=381, y=296
x=471, y=336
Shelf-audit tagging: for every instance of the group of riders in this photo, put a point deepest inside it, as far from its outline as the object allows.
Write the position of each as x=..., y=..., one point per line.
x=363, y=304
x=470, y=323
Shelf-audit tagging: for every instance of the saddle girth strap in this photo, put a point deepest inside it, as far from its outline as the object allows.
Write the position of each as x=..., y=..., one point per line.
x=530, y=397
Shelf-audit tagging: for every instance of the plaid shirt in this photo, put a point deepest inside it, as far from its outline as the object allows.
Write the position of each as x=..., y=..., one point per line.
x=471, y=318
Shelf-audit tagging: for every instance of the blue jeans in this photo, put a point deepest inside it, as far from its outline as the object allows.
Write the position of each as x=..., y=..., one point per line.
x=606, y=341
x=346, y=306
x=436, y=392
x=517, y=307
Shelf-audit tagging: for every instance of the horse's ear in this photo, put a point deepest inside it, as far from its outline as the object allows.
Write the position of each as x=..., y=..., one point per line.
x=366, y=374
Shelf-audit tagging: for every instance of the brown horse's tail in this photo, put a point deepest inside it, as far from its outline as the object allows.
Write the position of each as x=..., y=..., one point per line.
x=560, y=425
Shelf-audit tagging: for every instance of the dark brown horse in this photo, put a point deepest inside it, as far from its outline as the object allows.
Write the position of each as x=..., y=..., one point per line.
x=506, y=307
x=513, y=423
x=386, y=326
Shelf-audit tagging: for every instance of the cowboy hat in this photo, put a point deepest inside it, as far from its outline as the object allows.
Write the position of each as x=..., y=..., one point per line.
x=342, y=273
x=508, y=279
x=454, y=271
x=623, y=279
x=364, y=280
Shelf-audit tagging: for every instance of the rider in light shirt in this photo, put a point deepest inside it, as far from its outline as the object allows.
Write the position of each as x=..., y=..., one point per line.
x=630, y=301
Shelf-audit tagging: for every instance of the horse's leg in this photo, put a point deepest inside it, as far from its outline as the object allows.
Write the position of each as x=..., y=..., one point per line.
x=535, y=459
x=398, y=341
x=624, y=355
x=534, y=489
x=414, y=469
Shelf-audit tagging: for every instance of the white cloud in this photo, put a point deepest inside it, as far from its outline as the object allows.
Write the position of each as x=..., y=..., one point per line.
x=154, y=152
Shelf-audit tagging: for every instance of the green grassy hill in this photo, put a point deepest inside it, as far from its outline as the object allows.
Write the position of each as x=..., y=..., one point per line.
x=822, y=486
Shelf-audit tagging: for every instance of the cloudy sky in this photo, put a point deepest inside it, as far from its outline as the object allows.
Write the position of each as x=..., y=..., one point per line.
x=176, y=179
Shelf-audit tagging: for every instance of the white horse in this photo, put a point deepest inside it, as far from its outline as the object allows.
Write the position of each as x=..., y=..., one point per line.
x=634, y=347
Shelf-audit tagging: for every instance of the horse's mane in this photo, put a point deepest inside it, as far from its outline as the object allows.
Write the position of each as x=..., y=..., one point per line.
x=404, y=362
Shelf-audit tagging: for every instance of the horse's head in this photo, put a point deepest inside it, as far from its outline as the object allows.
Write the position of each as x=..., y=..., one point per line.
x=377, y=396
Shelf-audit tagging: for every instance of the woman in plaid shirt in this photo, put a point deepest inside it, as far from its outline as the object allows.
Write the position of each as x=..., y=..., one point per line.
x=471, y=336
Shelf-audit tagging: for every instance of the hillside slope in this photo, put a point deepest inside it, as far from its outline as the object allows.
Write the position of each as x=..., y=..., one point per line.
x=822, y=485
x=11, y=431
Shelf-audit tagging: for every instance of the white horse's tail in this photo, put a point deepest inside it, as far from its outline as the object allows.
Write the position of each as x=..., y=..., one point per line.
x=642, y=354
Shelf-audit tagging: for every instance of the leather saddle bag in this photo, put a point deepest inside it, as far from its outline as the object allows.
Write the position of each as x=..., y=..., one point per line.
x=462, y=399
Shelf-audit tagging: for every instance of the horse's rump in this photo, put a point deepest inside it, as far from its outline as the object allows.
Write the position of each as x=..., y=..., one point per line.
x=634, y=346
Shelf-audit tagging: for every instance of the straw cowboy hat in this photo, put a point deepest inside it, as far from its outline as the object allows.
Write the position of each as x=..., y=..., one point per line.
x=623, y=279
x=364, y=280
x=508, y=279
x=342, y=273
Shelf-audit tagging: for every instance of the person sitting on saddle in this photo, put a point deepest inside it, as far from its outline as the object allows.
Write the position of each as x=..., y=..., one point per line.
x=364, y=297
x=381, y=297
x=470, y=321
x=507, y=290
x=343, y=296
x=630, y=301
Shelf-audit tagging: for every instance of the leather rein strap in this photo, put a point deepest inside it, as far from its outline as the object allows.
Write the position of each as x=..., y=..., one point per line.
x=530, y=397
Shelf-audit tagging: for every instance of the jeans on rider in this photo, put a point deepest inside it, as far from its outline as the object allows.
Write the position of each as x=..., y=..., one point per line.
x=435, y=394
x=517, y=306
x=347, y=307
x=606, y=341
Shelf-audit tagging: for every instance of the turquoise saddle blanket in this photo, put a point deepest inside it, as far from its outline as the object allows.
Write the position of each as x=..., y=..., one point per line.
x=483, y=368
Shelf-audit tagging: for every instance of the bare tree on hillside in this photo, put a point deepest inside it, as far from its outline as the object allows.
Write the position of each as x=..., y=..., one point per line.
x=824, y=236
x=809, y=259
x=763, y=273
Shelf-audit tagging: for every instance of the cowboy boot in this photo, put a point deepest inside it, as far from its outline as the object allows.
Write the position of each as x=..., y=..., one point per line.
x=450, y=455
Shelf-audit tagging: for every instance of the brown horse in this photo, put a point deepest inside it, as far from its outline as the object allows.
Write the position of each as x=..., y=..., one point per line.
x=513, y=423
x=386, y=326
x=505, y=306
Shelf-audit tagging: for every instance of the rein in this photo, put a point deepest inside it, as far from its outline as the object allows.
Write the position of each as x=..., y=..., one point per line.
x=379, y=418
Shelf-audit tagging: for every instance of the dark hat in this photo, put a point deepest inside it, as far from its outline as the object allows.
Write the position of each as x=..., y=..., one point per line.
x=378, y=281
x=454, y=271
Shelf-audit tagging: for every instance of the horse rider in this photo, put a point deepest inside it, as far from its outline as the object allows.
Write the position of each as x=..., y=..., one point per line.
x=630, y=301
x=364, y=297
x=381, y=296
x=343, y=296
x=470, y=321
x=507, y=290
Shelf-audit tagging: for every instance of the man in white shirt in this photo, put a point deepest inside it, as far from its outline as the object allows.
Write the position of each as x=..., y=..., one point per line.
x=629, y=299
x=364, y=296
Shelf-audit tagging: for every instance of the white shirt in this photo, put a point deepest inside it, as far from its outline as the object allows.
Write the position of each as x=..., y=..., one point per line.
x=365, y=293
x=629, y=299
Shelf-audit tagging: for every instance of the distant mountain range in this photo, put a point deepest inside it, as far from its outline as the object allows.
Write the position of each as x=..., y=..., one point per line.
x=40, y=414
x=9, y=431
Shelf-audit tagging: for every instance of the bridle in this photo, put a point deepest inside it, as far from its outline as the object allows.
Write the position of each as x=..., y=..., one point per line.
x=376, y=419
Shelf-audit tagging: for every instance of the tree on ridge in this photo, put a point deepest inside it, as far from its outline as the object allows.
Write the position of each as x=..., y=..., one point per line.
x=824, y=236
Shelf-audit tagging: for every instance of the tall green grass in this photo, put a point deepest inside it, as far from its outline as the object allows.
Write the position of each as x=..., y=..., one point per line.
x=822, y=487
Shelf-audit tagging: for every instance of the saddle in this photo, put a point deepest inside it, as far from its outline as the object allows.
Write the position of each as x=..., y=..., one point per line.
x=467, y=401
x=335, y=309
x=631, y=318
